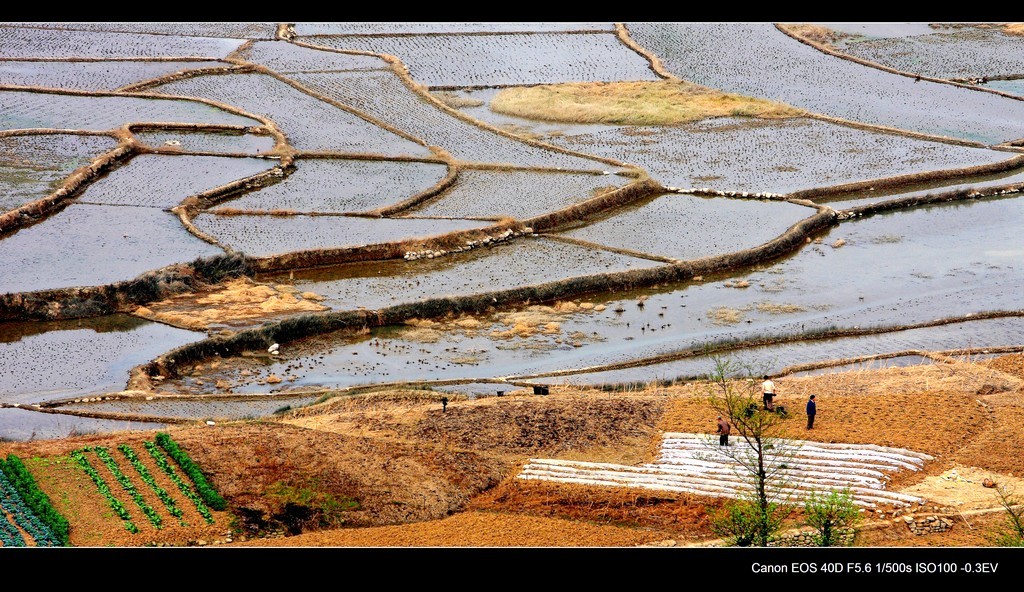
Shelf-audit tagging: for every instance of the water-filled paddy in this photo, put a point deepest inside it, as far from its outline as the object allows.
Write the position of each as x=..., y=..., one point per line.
x=27, y=110
x=32, y=167
x=263, y=235
x=369, y=28
x=92, y=245
x=383, y=95
x=537, y=58
x=772, y=359
x=875, y=364
x=773, y=155
x=1015, y=86
x=22, y=425
x=880, y=29
x=198, y=408
x=71, y=358
x=957, y=53
x=980, y=183
x=690, y=227
x=161, y=181
x=92, y=75
x=903, y=268
x=525, y=261
x=334, y=185
x=758, y=60
x=308, y=122
x=518, y=194
x=53, y=43
x=244, y=30
x=285, y=58
x=189, y=141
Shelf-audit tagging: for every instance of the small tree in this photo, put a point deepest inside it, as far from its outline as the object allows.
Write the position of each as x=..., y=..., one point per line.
x=761, y=458
x=1011, y=532
x=832, y=516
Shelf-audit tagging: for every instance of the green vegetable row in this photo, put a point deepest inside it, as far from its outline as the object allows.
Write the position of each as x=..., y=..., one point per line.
x=128, y=486
x=148, y=478
x=165, y=466
x=101, y=484
x=206, y=491
x=37, y=502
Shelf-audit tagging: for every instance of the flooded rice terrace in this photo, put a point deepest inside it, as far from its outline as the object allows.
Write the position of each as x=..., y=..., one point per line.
x=361, y=167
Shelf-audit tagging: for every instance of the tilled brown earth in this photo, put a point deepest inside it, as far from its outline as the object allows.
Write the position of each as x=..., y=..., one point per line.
x=393, y=469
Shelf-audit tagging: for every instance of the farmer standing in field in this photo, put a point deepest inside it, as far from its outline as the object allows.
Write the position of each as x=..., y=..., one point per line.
x=768, y=393
x=812, y=409
x=723, y=431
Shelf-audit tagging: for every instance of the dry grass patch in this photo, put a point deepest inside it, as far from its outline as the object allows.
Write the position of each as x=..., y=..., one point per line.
x=475, y=529
x=673, y=515
x=456, y=101
x=632, y=103
x=815, y=33
x=776, y=308
x=1014, y=29
x=234, y=302
x=723, y=315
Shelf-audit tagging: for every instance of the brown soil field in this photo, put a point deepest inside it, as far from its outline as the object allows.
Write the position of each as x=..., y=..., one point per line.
x=392, y=469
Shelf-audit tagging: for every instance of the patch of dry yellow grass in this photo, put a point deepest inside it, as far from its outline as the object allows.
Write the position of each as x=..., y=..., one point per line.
x=1014, y=29
x=236, y=300
x=662, y=102
x=723, y=315
x=814, y=33
x=775, y=308
x=456, y=101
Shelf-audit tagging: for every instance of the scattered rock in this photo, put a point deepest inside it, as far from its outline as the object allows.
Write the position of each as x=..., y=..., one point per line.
x=838, y=243
x=273, y=379
x=988, y=483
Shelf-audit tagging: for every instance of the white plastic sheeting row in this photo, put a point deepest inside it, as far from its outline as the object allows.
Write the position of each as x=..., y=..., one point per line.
x=694, y=463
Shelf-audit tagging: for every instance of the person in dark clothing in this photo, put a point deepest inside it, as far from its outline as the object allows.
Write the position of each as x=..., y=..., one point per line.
x=723, y=432
x=444, y=403
x=812, y=408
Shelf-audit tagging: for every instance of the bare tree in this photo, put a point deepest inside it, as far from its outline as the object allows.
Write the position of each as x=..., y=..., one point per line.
x=761, y=456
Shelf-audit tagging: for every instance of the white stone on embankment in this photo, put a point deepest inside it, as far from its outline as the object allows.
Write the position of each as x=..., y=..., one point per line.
x=693, y=463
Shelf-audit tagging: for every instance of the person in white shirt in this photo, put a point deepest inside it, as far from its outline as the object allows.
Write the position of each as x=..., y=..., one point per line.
x=768, y=392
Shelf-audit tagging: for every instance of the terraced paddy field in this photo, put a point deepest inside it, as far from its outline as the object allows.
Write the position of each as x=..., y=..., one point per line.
x=308, y=122
x=951, y=54
x=92, y=76
x=33, y=166
x=335, y=186
x=93, y=245
x=481, y=59
x=89, y=356
x=516, y=194
x=411, y=112
x=187, y=141
x=260, y=236
x=774, y=66
x=28, y=110
x=754, y=155
x=171, y=179
x=1014, y=86
x=304, y=288
x=55, y=43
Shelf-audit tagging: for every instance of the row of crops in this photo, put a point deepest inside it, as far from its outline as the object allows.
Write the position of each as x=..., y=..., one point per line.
x=131, y=488
x=33, y=515
x=154, y=483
